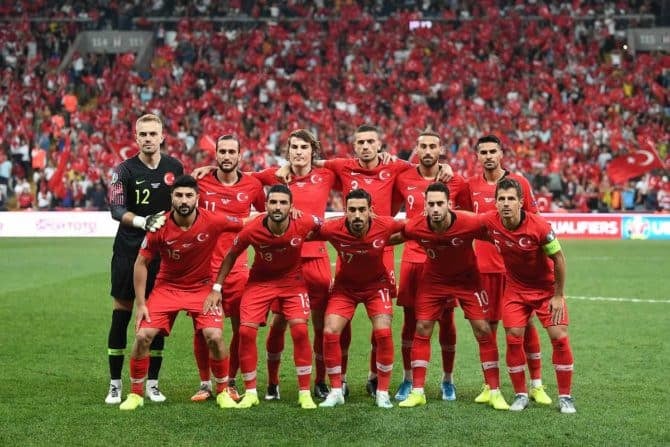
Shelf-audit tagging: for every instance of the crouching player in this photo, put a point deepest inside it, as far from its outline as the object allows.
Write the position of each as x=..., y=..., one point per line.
x=185, y=244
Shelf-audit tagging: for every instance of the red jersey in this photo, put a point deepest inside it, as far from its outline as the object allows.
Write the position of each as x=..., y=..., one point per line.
x=528, y=267
x=377, y=181
x=185, y=255
x=449, y=254
x=310, y=195
x=411, y=186
x=361, y=259
x=234, y=200
x=277, y=258
x=483, y=198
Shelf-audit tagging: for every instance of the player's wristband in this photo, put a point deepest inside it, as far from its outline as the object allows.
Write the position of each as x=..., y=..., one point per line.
x=139, y=222
x=216, y=287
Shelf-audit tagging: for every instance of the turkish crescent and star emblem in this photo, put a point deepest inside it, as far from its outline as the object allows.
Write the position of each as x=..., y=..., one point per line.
x=168, y=179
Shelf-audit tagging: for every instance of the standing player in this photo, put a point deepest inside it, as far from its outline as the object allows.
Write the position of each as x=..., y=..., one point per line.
x=536, y=271
x=359, y=240
x=185, y=245
x=410, y=185
x=310, y=187
x=227, y=190
x=449, y=274
x=138, y=195
x=276, y=274
x=492, y=269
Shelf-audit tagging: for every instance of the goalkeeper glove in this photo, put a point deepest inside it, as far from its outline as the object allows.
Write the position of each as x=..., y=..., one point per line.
x=152, y=223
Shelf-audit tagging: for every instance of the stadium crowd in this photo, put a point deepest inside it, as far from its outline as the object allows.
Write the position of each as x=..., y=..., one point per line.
x=552, y=79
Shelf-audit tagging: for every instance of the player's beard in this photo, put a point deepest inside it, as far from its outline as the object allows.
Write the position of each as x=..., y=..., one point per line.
x=358, y=225
x=184, y=210
x=226, y=169
x=428, y=162
x=278, y=216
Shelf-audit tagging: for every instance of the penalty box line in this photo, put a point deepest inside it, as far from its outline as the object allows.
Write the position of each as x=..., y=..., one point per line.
x=618, y=300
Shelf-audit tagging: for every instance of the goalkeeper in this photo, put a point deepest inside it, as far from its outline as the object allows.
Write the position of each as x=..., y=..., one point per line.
x=139, y=195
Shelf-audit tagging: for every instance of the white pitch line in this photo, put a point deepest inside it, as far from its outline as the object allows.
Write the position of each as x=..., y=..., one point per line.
x=619, y=300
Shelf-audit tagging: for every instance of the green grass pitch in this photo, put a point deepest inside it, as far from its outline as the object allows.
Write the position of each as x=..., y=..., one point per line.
x=55, y=310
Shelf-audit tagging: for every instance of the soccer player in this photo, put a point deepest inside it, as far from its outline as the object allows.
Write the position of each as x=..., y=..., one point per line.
x=138, y=196
x=360, y=241
x=185, y=245
x=276, y=274
x=410, y=185
x=449, y=274
x=227, y=190
x=491, y=267
x=536, y=273
x=311, y=188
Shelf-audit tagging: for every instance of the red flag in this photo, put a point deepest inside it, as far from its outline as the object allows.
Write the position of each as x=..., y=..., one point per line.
x=207, y=144
x=56, y=184
x=633, y=165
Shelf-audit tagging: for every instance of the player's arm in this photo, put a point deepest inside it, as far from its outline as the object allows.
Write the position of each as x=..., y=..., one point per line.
x=213, y=301
x=140, y=274
x=557, y=302
x=396, y=238
x=202, y=171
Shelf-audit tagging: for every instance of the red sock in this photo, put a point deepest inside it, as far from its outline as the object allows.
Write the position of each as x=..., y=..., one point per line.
x=332, y=352
x=317, y=346
x=407, y=337
x=139, y=368
x=220, y=371
x=516, y=363
x=345, y=342
x=448, y=341
x=201, y=353
x=373, y=353
x=488, y=355
x=274, y=346
x=302, y=354
x=248, y=355
x=234, y=358
x=420, y=359
x=384, y=357
x=563, y=364
x=531, y=344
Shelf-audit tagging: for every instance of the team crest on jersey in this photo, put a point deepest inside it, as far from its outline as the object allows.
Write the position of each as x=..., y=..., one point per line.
x=457, y=241
x=378, y=243
x=202, y=237
x=296, y=241
x=168, y=179
x=384, y=175
x=551, y=236
x=242, y=197
x=316, y=178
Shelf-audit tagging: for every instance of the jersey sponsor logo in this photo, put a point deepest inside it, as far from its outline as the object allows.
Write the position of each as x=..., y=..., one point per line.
x=410, y=188
x=170, y=242
x=378, y=243
x=242, y=197
x=355, y=173
x=476, y=193
x=186, y=245
x=262, y=246
x=139, y=182
x=496, y=232
x=210, y=193
x=384, y=175
x=168, y=179
x=155, y=185
x=202, y=237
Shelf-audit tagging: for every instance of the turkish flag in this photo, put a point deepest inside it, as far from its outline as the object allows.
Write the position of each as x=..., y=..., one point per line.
x=633, y=165
x=208, y=144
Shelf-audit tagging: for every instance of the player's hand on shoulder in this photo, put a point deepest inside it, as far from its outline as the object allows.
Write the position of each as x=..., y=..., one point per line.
x=296, y=213
x=444, y=173
x=387, y=158
x=154, y=222
x=283, y=174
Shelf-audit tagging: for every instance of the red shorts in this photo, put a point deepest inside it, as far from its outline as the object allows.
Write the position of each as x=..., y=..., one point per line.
x=293, y=302
x=318, y=279
x=519, y=305
x=377, y=301
x=493, y=285
x=433, y=299
x=389, y=263
x=165, y=304
x=410, y=278
x=232, y=290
